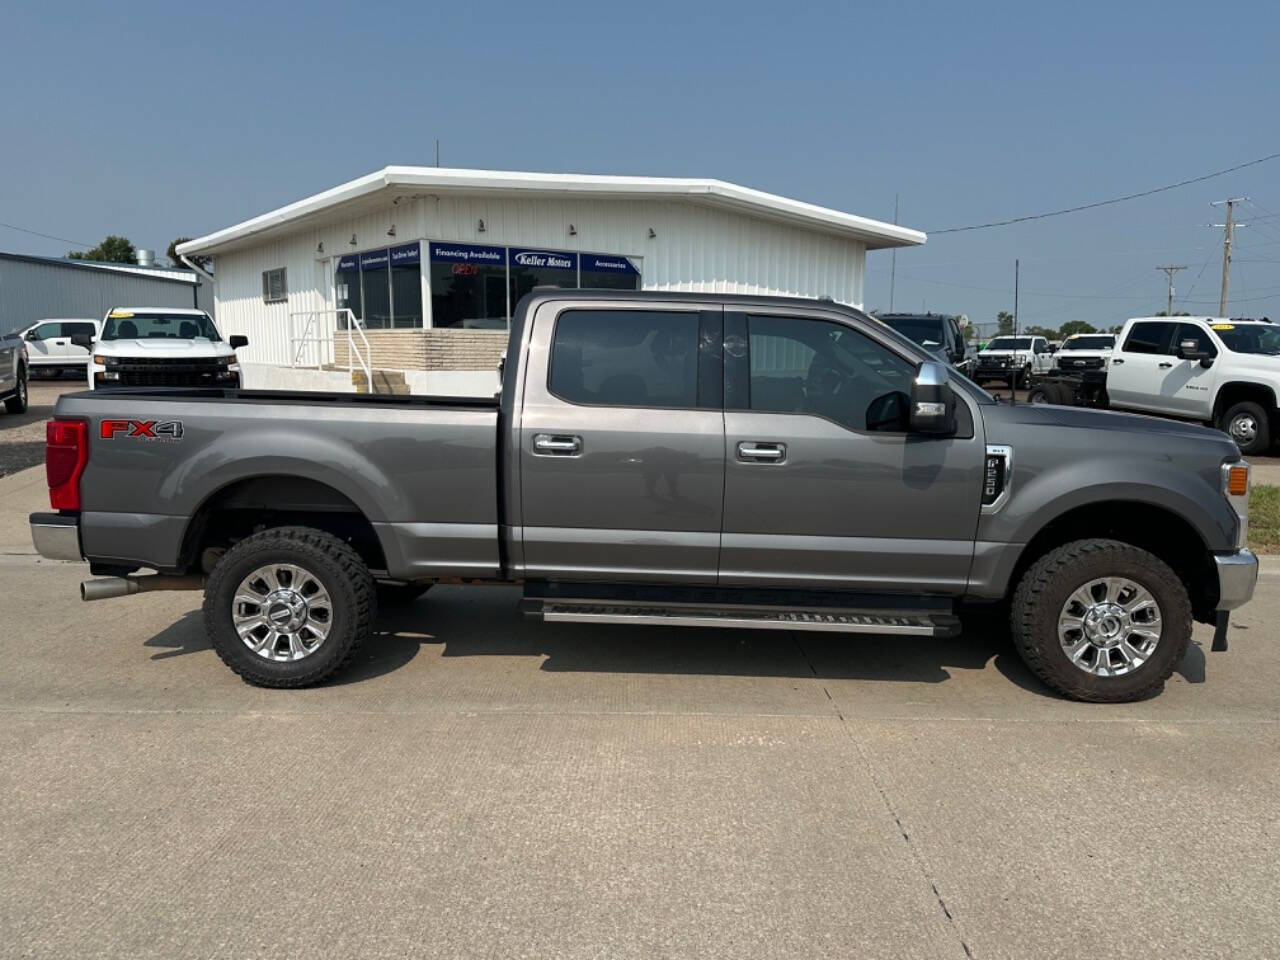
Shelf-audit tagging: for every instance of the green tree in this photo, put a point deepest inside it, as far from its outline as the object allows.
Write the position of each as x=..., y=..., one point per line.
x=1004, y=323
x=1040, y=332
x=1076, y=326
x=1176, y=313
x=203, y=263
x=114, y=249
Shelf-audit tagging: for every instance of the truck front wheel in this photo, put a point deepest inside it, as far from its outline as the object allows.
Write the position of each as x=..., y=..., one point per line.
x=1247, y=424
x=288, y=607
x=1101, y=620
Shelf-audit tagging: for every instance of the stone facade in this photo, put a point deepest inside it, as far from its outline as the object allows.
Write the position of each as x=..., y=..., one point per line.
x=439, y=349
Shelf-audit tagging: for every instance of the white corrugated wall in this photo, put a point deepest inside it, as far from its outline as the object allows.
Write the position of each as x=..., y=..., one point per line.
x=696, y=248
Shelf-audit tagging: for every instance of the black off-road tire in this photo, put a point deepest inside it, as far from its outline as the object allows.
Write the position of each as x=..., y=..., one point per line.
x=1261, y=441
x=1041, y=394
x=397, y=594
x=1044, y=589
x=334, y=563
x=17, y=403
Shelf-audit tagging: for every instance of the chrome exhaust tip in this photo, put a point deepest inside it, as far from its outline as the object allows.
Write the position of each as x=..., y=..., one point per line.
x=106, y=588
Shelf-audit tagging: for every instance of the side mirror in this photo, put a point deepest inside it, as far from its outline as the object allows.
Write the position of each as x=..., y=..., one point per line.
x=31, y=336
x=237, y=340
x=82, y=340
x=933, y=404
x=1190, y=350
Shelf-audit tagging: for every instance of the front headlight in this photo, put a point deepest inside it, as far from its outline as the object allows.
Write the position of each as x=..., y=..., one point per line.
x=104, y=361
x=1235, y=487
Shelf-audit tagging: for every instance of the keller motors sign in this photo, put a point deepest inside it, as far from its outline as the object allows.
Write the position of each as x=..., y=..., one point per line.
x=542, y=259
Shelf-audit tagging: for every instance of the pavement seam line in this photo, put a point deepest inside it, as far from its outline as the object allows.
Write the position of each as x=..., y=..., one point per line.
x=915, y=853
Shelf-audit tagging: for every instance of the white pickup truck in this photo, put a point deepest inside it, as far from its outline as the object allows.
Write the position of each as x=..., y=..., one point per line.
x=1224, y=373
x=1007, y=359
x=161, y=347
x=1218, y=371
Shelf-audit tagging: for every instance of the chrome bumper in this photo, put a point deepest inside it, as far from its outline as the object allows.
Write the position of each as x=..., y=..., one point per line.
x=1237, y=576
x=55, y=536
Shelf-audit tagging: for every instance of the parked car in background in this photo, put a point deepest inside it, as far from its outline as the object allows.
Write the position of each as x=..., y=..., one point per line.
x=1084, y=351
x=665, y=458
x=1009, y=359
x=13, y=373
x=940, y=334
x=162, y=347
x=50, y=349
x=1209, y=369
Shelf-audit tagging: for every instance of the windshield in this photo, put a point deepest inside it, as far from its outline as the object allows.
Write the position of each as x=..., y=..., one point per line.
x=1260, y=338
x=1010, y=343
x=926, y=331
x=154, y=325
x=1101, y=342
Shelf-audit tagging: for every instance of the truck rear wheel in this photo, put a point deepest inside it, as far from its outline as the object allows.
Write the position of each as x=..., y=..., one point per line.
x=17, y=401
x=1101, y=620
x=289, y=607
x=1247, y=424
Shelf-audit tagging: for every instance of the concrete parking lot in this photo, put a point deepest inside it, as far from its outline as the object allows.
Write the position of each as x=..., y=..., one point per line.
x=482, y=786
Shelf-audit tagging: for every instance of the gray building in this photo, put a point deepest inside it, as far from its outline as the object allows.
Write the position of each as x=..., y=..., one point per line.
x=35, y=288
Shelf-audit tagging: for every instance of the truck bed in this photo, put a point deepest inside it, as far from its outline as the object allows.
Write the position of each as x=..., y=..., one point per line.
x=422, y=471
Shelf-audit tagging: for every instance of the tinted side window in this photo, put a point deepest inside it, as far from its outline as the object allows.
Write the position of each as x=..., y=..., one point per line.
x=47, y=331
x=626, y=358
x=1189, y=331
x=1149, y=338
x=71, y=329
x=801, y=365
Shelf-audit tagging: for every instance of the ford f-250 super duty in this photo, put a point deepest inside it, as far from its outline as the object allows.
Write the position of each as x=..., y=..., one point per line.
x=671, y=459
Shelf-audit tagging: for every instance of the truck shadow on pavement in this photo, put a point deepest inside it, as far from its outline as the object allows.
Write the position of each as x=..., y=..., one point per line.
x=478, y=622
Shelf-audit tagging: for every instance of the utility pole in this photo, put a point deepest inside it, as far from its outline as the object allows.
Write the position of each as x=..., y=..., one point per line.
x=1228, y=236
x=1169, y=271
x=893, y=263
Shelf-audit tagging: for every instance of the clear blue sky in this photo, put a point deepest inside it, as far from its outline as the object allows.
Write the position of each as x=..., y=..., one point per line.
x=163, y=120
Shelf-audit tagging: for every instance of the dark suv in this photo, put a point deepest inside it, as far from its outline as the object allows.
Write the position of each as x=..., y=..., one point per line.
x=939, y=333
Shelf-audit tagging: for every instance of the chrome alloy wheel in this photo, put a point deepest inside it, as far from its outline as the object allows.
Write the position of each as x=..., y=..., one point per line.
x=282, y=612
x=1110, y=626
x=1243, y=428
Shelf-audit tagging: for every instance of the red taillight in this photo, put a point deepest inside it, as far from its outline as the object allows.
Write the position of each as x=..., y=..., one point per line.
x=66, y=452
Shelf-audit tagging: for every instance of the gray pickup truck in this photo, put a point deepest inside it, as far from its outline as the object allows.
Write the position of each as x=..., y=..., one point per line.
x=676, y=459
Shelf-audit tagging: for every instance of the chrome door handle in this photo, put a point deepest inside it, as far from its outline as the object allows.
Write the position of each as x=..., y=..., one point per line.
x=556, y=445
x=1115, y=360
x=751, y=451
x=1165, y=365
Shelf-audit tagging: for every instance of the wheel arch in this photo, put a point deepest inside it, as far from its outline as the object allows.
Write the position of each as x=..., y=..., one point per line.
x=265, y=501
x=1236, y=391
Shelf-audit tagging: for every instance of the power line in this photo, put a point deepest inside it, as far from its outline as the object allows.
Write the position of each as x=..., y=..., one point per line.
x=1105, y=203
x=47, y=236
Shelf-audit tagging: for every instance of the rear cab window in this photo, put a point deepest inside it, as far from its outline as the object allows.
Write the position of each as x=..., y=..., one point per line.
x=626, y=358
x=1150, y=336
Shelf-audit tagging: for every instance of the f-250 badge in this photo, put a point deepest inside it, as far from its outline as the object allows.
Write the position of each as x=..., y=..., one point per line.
x=170, y=430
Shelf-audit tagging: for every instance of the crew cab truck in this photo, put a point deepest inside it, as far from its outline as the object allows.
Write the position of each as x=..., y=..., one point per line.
x=940, y=334
x=1013, y=360
x=1222, y=373
x=663, y=458
x=13, y=373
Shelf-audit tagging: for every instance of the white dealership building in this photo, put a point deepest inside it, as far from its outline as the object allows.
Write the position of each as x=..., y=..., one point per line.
x=429, y=262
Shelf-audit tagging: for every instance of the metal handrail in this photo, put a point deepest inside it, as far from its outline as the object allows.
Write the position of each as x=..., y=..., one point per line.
x=322, y=338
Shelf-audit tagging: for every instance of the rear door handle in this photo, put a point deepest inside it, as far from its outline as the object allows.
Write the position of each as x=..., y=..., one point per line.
x=755, y=451
x=1165, y=365
x=556, y=445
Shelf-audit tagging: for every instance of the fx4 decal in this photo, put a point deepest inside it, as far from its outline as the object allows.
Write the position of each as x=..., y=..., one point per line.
x=141, y=429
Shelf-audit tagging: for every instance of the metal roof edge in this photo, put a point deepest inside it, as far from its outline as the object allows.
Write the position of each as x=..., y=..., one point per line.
x=875, y=233
x=165, y=274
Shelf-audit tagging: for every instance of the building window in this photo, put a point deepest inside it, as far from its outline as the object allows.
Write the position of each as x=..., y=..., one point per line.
x=626, y=358
x=469, y=286
x=274, y=287
x=601, y=271
x=382, y=288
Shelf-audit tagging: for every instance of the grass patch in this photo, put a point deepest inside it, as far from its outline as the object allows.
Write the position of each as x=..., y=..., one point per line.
x=1264, y=519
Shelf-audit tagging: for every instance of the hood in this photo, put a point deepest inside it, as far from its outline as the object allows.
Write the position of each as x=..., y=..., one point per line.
x=163, y=347
x=1105, y=428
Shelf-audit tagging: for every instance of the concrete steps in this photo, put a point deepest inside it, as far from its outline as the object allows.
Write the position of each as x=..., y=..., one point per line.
x=384, y=382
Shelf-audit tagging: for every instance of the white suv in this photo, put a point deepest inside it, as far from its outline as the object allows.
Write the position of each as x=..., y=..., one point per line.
x=49, y=347
x=163, y=347
x=1218, y=371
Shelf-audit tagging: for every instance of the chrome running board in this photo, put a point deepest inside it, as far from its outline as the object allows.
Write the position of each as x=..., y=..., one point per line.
x=917, y=623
